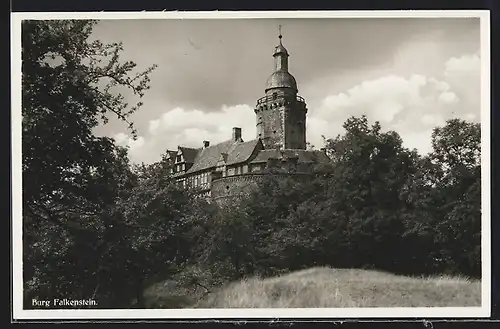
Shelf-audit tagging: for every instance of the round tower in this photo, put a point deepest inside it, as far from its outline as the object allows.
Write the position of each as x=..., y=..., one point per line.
x=281, y=113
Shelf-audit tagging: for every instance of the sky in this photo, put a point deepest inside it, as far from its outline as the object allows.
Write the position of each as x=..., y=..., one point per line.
x=410, y=74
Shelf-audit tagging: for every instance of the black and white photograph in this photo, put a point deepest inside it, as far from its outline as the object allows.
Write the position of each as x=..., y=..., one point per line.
x=251, y=164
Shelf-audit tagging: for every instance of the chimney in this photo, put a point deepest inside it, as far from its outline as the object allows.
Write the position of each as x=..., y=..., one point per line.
x=206, y=144
x=236, y=134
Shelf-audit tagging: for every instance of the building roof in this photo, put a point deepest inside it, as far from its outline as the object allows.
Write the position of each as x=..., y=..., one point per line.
x=189, y=153
x=241, y=152
x=171, y=154
x=280, y=49
x=237, y=152
x=281, y=79
x=304, y=156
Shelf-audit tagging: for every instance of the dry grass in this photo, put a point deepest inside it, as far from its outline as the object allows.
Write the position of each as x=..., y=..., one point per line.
x=325, y=287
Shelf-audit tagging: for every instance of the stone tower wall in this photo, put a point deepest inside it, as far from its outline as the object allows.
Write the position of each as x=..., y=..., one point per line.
x=295, y=126
x=281, y=122
x=226, y=190
x=270, y=127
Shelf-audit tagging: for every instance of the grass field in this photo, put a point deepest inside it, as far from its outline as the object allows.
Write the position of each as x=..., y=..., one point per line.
x=326, y=287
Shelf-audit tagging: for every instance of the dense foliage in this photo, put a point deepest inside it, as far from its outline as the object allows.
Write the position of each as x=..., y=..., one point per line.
x=379, y=205
x=96, y=226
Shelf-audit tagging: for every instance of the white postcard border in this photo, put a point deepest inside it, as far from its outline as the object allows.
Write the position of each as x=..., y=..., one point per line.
x=420, y=312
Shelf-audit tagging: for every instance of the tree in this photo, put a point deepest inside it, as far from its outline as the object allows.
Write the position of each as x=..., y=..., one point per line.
x=457, y=158
x=72, y=178
x=377, y=204
x=371, y=170
x=160, y=220
x=444, y=204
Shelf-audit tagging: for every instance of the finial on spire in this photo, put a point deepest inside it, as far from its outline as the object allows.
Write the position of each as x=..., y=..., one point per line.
x=279, y=36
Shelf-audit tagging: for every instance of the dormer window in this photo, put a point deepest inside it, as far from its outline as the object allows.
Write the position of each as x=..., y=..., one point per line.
x=178, y=158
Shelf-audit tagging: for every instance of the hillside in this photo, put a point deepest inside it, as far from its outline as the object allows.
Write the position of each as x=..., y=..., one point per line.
x=325, y=287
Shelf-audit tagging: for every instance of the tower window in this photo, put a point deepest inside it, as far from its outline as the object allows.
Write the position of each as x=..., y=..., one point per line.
x=275, y=95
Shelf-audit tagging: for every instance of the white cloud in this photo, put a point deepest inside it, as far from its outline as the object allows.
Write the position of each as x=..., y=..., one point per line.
x=402, y=104
x=420, y=140
x=439, y=85
x=448, y=97
x=127, y=141
x=384, y=97
x=464, y=63
x=411, y=105
x=432, y=120
x=154, y=125
x=464, y=76
x=189, y=127
x=471, y=116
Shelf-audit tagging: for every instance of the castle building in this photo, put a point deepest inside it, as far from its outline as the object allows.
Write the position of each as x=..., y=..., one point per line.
x=231, y=167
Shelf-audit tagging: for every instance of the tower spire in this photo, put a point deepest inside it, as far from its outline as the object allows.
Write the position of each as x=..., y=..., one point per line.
x=280, y=54
x=281, y=114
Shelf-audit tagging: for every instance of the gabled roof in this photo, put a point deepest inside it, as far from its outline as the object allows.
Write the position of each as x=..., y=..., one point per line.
x=170, y=154
x=240, y=152
x=208, y=157
x=189, y=153
x=303, y=155
x=237, y=152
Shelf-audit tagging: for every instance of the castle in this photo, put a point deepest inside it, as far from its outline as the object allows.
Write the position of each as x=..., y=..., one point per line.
x=231, y=167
